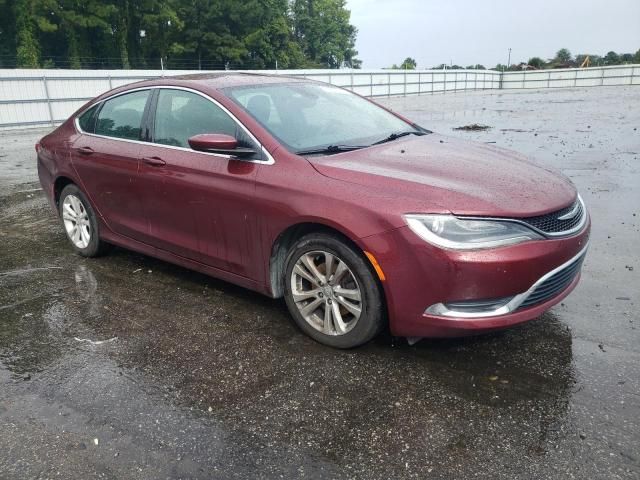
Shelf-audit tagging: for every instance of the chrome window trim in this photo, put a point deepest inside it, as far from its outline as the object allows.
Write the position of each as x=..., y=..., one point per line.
x=269, y=159
x=441, y=310
x=564, y=233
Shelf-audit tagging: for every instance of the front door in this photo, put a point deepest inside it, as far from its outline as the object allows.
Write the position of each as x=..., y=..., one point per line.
x=199, y=205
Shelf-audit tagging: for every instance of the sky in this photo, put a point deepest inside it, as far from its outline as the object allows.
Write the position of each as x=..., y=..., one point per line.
x=467, y=32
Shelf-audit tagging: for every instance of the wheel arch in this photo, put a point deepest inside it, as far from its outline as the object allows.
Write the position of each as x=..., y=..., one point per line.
x=59, y=184
x=288, y=237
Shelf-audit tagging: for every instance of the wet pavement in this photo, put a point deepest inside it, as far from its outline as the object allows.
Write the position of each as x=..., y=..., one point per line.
x=128, y=367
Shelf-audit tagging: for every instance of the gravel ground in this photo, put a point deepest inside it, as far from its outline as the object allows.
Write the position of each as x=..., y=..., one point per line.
x=128, y=367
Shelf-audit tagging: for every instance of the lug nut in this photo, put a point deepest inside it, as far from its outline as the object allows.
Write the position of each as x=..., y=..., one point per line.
x=329, y=301
x=321, y=294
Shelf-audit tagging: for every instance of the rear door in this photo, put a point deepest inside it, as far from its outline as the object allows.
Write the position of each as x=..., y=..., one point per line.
x=106, y=158
x=199, y=205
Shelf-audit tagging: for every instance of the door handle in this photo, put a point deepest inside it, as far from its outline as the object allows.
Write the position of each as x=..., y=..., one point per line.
x=85, y=150
x=154, y=161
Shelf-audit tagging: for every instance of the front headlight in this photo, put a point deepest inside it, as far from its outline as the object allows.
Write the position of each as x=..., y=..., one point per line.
x=447, y=231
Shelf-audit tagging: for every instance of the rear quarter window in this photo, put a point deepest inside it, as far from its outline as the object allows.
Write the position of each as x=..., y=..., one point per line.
x=87, y=120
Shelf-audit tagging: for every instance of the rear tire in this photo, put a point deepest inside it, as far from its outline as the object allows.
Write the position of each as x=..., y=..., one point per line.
x=342, y=307
x=80, y=222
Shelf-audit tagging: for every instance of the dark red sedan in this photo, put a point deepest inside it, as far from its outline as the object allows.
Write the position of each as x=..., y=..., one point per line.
x=357, y=216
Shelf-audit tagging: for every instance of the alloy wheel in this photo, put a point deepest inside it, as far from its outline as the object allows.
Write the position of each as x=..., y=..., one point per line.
x=326, y=292
x=76, y=221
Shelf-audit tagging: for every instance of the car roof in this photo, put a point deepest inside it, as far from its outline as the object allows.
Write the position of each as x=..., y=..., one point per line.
x=218, y=80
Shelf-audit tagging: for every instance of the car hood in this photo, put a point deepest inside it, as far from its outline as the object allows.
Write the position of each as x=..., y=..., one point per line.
x=446, y=174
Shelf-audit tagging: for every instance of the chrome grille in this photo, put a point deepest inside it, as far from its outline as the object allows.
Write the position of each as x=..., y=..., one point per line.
x=553, y=285
x=551, y=223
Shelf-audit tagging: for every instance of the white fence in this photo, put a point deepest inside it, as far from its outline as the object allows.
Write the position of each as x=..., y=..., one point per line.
x=48, y=97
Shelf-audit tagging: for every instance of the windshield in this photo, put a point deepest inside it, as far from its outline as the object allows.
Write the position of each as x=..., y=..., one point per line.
x=307, y=116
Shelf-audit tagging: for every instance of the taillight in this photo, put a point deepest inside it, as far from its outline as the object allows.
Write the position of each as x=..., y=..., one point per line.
x=38, y=147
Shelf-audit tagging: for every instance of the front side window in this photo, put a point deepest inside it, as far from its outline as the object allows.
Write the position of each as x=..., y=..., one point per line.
x=305, y=116
x=181, y=115
x=121, y=117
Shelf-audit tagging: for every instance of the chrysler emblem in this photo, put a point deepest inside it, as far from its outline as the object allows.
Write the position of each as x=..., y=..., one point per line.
x=572, y=213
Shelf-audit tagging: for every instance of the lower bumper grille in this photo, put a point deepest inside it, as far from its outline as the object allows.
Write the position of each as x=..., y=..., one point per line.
x=553, y=285
x=545, y=289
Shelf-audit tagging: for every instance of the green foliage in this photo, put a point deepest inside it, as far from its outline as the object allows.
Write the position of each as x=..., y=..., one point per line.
x=183, y=33
x=27, y=51
x=536, y=62
x=323, y=31
x=626, y=58
x=611, y=58
x=562, y=56
x=408, y=64
x=7, y=31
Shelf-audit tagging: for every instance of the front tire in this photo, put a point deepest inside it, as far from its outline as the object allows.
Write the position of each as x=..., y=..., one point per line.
x=332, y=292
x=80, y=223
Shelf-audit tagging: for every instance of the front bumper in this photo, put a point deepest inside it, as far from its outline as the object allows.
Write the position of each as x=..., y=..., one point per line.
x=439, y=326
x=431, y=292
x=546, y=288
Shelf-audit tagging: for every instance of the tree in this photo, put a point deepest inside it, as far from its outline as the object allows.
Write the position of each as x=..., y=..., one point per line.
x=408, y=64
x=636, y=57
x=27, y=51
x=121, y=24
x=323, y=32
x=7, y=34
x=77, y=24
x=269, y=40
x=161, y=23
x=563, y=56
x=626, y=58
x=211, y=33
x=536, y=62
x=611, y=58
x=184, y=33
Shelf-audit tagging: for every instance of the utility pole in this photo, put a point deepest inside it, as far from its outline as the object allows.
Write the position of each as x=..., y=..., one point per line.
x=509, y=60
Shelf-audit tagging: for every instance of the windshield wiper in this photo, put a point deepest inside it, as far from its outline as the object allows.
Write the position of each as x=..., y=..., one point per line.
x=397, y=135
x=330, y=149
x=347, y=148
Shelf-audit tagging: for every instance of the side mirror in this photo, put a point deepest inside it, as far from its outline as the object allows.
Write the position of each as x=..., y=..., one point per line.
x=218, y=143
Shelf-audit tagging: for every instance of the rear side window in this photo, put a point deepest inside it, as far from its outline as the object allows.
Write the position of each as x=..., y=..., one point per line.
x=121, y=117
x=181, y=114
x=87, y=120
